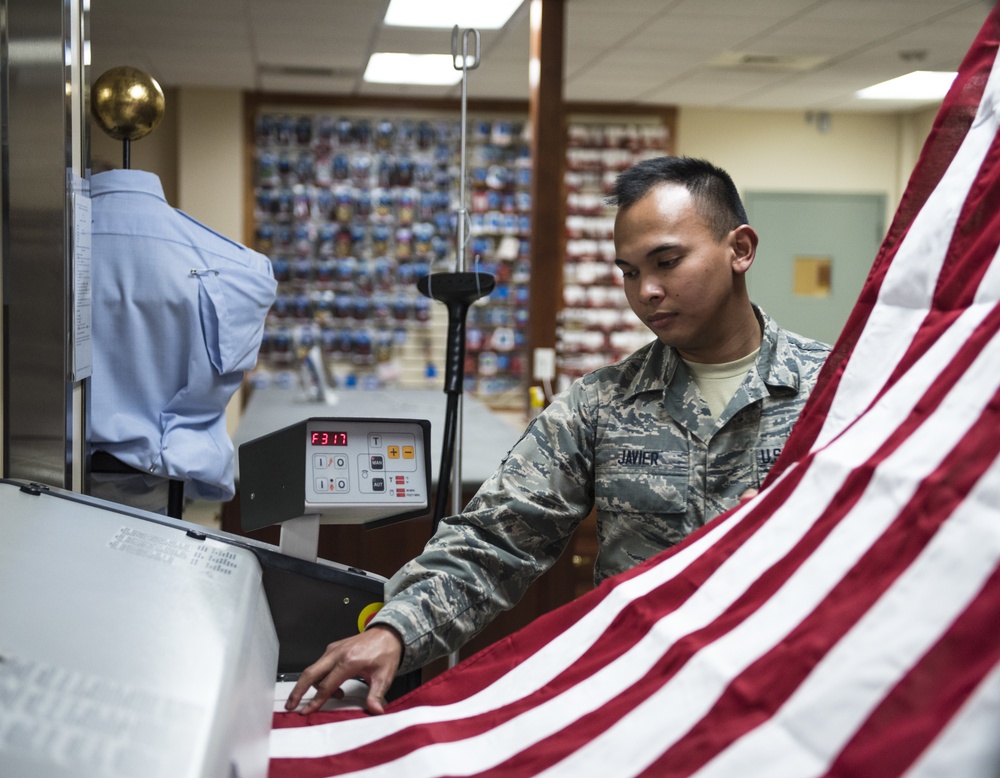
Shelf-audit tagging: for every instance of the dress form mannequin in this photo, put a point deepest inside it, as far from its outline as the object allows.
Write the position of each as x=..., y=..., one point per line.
x=128, y=104
x=179, y=314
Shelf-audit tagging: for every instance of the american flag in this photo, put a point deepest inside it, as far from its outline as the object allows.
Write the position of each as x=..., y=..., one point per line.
x=845, y=622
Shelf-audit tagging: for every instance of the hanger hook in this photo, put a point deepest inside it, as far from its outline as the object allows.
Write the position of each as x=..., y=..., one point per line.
x=465, y=63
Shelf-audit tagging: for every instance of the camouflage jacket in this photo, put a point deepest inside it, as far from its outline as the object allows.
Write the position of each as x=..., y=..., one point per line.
x=635, y=440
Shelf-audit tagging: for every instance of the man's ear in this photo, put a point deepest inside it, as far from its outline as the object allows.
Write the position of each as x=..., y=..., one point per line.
x=743, y=242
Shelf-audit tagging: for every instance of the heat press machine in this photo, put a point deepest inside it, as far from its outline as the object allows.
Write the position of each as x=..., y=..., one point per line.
x=133, y=643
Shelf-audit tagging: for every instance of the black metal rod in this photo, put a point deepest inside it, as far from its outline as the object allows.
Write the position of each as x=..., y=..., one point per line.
x=457, y=291
x=447, y=460
x=454, y=378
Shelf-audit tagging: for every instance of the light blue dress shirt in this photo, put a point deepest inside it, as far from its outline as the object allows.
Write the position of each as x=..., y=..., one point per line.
x=178, y=316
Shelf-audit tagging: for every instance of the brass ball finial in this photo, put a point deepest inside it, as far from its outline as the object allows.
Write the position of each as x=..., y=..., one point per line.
x=127, y=103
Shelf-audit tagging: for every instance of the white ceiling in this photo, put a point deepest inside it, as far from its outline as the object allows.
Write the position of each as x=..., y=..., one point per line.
x=643, y=51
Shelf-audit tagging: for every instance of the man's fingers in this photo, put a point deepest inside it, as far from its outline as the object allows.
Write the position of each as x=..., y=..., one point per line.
x=317, y=702
x=377, y=690
x=325, y=689
x=323, y=676
x=375, y=703
x=298, y=691
x=373, y=655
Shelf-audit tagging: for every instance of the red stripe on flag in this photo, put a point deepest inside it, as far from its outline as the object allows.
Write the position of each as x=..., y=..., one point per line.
x=947, y=134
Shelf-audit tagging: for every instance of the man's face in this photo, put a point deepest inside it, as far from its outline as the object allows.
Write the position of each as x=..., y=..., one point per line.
x=679, y=280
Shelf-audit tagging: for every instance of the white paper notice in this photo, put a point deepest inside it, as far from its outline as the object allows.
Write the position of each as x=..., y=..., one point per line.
x=82, y=291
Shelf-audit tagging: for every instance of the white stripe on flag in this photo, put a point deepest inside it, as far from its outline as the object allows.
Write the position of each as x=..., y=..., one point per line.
x=988, y=292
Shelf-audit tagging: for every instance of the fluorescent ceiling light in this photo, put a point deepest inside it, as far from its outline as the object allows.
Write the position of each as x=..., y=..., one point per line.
x=445, y=14
x=432, y=69
x=918, y=85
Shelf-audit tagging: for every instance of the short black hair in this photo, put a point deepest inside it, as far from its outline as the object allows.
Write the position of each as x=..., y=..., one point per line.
x=712, y=188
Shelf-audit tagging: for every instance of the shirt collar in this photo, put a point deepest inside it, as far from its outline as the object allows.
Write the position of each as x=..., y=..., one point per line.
x=776, y=363
x=134, y=181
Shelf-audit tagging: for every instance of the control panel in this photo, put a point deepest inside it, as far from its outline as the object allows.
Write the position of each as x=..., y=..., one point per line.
x=339, y=470
x=364, y=463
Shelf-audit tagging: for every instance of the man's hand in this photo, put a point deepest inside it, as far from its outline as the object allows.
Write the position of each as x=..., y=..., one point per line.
x=748, y=495
x=373, y=656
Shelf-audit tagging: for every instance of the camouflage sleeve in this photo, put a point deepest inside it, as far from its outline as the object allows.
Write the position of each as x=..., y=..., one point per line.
x=481, y=561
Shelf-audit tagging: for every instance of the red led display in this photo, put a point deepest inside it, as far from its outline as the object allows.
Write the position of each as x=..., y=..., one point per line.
x=328, y=438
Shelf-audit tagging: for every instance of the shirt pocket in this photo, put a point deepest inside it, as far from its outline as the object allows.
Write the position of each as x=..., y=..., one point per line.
x=637, y=481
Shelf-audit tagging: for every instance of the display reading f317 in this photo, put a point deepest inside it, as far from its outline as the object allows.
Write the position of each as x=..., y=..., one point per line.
x=328, y=438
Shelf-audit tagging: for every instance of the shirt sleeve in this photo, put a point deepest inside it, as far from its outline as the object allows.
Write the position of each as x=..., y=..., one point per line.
x=481, y=561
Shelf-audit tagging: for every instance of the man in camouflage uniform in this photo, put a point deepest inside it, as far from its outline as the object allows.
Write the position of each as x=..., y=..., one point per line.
x=659, y=443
